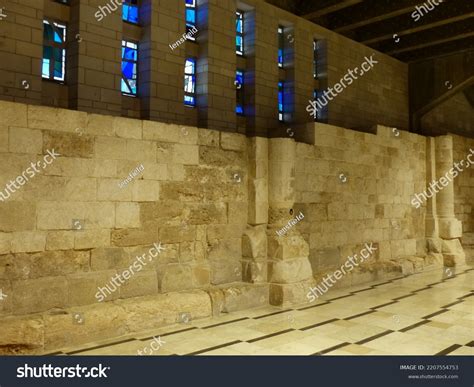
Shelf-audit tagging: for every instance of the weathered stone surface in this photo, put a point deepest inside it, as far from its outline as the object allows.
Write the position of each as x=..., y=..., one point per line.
x=453, y=252
x=21, y=335
x=225, y=271
x=289, y=270
x=68, y=144
x=17, y=216
x=143, y=283
x=254, y=242
x=255, y=271
x=38, y=295
x=240, y=297
x=288, y=294
x=434, y=245
x=288, y=246
x=175, y=278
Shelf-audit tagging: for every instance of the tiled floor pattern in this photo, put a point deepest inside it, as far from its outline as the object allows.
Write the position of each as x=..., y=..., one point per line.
x=429, y=313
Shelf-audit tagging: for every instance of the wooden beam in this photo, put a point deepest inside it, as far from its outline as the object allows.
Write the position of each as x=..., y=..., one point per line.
x=431, y=43
x=418, y=29
x=330, y=9
x=440, y=50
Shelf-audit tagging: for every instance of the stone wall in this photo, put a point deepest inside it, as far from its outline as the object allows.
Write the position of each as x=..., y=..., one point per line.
x=355, y=188
x=217, y=202
x=464, y=192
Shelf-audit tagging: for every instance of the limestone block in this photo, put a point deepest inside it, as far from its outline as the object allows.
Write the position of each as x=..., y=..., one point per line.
x=255, y=271
x=453, y=252
x=109, y=190
x=407, y=267
x=224, y=231
x=69, y=144
x=141, y=283
x=5, y=243
x=233, y=141
x=164, y=152
x=28, y=241
x=208, y=137
x=83, y=287
x=3, y=138
x=38, y=295
x=155, y=171
x=186, y=252
x=175, y=278
x=127, y=128
x=201, y=275
x=434, y=245
x=108, y=258
x=225, y=271
x=133, y=237
x=89, y=239
x=153, y=311
x=225, y=249
x=104, y=320
x=100, y=125
x=41, y=117
x=13, y=114
x=177, y=234
x=288, y=294
x=434, y=259
x=21, y=335
x=220, y=158
x=17, y=216
x=288, y=246
x=110, y=147
x=185, y=154
x=254, y=242
x=450, y=228
x=207, y=213
x=140, y=150
x=217, y=299
x=290, y=270
x=188, y=135
x=127, y=215
x=237, y=212
x=158, y=131
x=418, y=263
x=240, y=297
x=22, y=140
x=60, y=215
x=44, y=264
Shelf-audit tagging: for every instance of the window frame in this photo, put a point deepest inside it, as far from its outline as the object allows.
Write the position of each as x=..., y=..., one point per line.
x=190, y=25
x=281, y=46
x=315, y=59
x=240, y=15
x=193, y=79
x=55, y=45
x=240, y=96
x=127, y=3
x=136, y=68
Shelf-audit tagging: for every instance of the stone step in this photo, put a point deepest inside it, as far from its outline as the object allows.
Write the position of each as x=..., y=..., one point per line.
x=237, y=296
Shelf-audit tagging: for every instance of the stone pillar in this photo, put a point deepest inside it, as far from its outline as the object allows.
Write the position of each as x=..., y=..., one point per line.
x=450, y=228
x=95, y=72
x=432, y=228
x=161, y=70
x=289, y=269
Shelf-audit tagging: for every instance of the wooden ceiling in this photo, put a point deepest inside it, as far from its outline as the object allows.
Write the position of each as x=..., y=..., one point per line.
x=390, y=26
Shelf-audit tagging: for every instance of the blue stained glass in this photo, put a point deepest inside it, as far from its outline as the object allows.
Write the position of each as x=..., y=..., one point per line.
x=280, y=56
x=130, y=13
x=191, y=15
x=129, y=67
x=129, y=53
x=189, y=100
x=239, y=109
x=45, y=68
x=190, y=3
x=280, y=101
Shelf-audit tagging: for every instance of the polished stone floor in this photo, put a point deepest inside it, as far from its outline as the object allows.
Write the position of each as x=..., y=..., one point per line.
x=430, y=313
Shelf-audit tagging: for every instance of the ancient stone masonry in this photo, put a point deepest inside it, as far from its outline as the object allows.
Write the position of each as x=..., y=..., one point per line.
x=214, y=200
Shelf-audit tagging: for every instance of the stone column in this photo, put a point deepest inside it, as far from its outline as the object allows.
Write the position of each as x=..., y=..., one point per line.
x=432, y=228
x=289, y=269
x=450, y=228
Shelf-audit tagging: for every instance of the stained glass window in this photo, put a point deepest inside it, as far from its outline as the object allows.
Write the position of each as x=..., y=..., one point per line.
x=129, y=67
x=281, y=47
x=190, y=82
x=54, y=51
x=130, y=11
x=191, y=19
x=281, y=100
x=239, y=37
x=239, y=85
